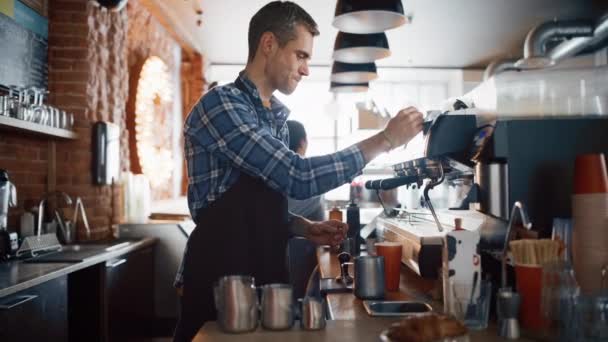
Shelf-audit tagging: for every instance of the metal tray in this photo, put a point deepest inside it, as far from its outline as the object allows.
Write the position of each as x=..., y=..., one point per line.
x=395, y=308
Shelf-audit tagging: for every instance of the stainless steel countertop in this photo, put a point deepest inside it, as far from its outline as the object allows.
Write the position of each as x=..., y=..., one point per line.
x=18, y=275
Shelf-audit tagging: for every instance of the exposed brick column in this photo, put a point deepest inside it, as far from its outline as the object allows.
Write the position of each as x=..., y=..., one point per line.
x=193, y=87
x=88, y=73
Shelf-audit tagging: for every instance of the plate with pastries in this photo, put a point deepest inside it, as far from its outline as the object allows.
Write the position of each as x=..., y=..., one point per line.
x=431, y=327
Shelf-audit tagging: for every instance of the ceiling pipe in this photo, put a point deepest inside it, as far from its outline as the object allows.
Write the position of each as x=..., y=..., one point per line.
x=499, y=65
x=538, y=39
x=579, y=45
x=600, y=36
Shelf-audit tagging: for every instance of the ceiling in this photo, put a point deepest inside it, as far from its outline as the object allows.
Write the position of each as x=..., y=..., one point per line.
x=443, y=33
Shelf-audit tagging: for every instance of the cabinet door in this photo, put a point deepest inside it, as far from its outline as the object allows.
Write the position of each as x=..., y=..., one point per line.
x=38, y=313
x=130, y=295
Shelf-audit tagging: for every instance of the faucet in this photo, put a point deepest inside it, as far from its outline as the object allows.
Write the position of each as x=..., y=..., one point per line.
x=79, y=207
x=517, y=206
x=66, y=197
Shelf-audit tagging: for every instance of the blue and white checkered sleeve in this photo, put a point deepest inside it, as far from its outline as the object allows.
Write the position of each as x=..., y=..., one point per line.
x=227, y=127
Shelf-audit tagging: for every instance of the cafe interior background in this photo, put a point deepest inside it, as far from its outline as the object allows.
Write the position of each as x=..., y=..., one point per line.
x=94, y=95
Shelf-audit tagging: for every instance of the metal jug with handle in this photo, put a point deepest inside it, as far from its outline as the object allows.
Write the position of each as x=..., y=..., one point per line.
x=236, y=302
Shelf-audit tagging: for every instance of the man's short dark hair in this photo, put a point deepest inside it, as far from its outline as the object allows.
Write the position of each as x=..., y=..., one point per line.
x=280, y=18
x=297, y=133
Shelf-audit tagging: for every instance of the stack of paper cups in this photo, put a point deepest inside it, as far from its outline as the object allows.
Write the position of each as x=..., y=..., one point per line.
x=590, y=221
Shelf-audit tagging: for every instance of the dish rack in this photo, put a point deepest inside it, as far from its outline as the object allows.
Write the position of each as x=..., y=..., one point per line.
x=34, y=245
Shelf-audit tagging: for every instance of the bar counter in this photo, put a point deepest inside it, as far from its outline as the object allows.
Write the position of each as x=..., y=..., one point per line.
x=348, y=319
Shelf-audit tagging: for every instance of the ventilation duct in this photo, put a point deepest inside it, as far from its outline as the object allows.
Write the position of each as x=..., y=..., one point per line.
x=498, y=66
x=542, y=37
x=582, y=45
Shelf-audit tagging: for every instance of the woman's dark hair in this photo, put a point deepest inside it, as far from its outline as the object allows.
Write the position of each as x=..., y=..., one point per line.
x=280, y=18
x=297, y=133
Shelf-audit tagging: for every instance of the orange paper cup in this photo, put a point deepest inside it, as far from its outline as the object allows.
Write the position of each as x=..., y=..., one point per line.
x=590, y=175
x=529, y=285
x=391, y=251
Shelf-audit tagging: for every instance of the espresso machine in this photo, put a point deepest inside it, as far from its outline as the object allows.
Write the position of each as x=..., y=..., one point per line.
x=506, y=160
x=8, y=198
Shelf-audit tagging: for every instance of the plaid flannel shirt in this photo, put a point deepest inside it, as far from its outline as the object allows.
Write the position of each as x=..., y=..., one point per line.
x=229, y=132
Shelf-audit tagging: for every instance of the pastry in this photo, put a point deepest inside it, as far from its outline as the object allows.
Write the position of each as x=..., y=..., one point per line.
x=425, y=328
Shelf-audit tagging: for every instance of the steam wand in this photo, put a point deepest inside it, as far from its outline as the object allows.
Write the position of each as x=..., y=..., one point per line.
x=430, y=186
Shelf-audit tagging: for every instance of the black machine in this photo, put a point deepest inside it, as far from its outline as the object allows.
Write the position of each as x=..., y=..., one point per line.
x=525, y=159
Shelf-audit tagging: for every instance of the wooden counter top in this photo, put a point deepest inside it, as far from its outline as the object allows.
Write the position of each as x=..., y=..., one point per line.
x=349, y=321
x=411, y=287
x=347, y=306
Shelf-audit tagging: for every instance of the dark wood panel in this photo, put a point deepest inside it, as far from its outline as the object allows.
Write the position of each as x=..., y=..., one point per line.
x=42, y=318
x=130, y=295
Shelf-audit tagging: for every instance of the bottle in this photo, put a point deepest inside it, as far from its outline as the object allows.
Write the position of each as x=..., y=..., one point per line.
x=458, y=224
x=27, y=224
x=335, y=214
x=354, y=225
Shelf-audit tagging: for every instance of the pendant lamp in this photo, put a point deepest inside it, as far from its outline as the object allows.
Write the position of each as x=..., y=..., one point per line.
x=353, y=72
x=337, y=87
x=360, y=48
x=368, y=16
x=112, y=5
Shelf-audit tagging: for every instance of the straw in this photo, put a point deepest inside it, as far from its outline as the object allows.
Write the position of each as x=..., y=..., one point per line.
x=534, y=252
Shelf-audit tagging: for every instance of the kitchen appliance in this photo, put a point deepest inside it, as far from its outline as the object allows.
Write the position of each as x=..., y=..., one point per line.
x=106, y=144
x=510, y=159
x=8, y=198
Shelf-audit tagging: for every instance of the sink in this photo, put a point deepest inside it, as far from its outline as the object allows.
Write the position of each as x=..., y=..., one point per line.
x=106, y=245
x=80, y=252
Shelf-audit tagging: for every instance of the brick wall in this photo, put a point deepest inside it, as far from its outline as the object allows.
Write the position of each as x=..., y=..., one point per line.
x=193, y=86
x=147, y=37
x=90, y=51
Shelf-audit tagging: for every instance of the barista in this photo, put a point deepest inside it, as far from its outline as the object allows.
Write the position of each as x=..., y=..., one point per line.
x=241, y=172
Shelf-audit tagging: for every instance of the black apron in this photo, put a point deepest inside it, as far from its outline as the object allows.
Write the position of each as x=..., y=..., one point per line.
x=243, y=232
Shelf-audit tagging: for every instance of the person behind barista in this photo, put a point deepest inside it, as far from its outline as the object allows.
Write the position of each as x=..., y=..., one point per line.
x=310, y=208
x=240, y=170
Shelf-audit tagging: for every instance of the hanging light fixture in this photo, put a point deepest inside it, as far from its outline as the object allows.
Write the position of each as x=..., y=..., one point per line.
x=112, y=5
x=360, y=48
x=368, y=16
x=337, y=87
x=353, y=72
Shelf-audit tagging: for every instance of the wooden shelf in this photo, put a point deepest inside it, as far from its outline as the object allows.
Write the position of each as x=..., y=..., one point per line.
x=13, y=124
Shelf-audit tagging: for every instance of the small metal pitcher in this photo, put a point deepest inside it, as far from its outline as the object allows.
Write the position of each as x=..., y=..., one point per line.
x=236, y=302
x=369, y=277
x=313, y=314
x=277, y=306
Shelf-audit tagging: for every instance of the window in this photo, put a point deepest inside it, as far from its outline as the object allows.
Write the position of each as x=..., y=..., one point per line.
x=331, y=121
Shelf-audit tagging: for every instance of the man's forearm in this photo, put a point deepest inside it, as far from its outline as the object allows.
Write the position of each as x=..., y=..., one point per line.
x=299, y=226
x=374, y=146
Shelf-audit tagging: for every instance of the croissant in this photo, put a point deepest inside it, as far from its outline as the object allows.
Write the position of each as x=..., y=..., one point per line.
x=425, y=328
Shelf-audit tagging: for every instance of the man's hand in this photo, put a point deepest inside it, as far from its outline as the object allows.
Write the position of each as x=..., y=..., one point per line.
x=330, y=232
x=398, y=131
x=404, y=126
